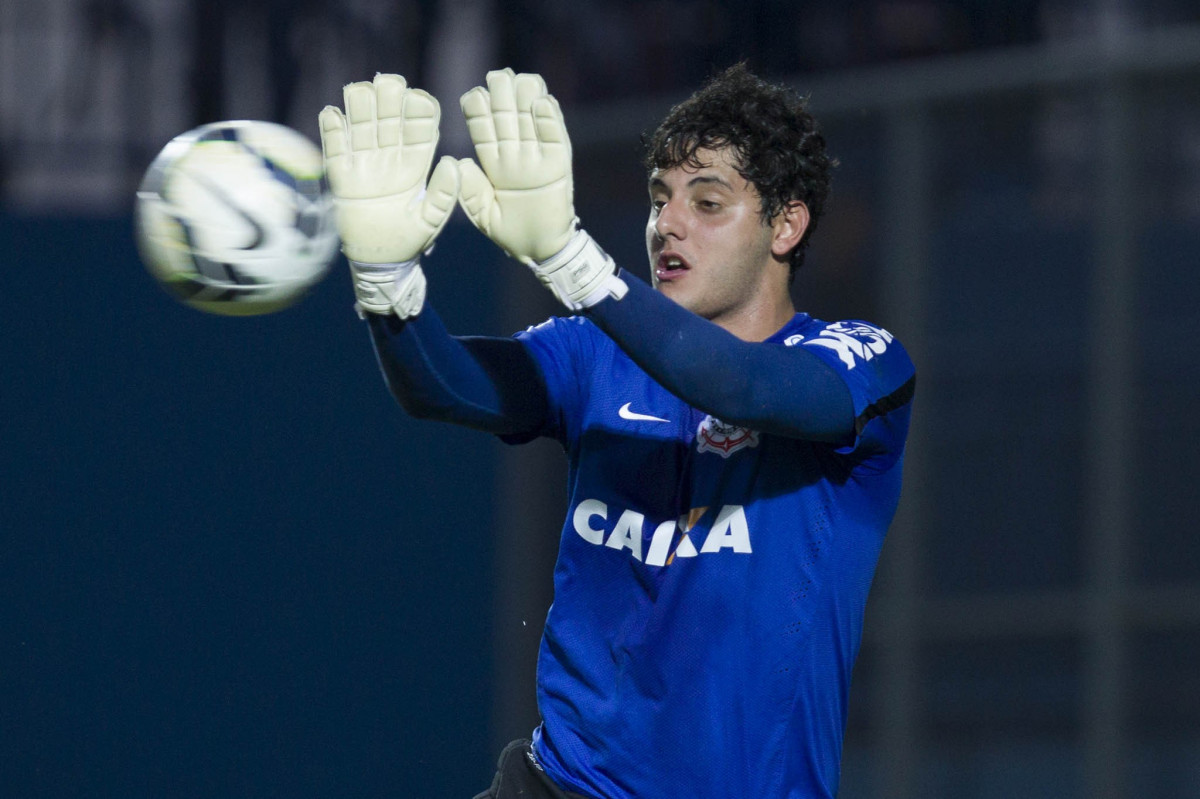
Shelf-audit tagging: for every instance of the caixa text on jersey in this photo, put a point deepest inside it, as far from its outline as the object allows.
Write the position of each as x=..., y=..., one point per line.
x=593, y=520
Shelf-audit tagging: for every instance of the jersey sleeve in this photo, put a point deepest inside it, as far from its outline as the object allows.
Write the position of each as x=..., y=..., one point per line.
x=763, y=386
x=882, y=381
x=561, y=347
x=486, y=383
x=845, y=385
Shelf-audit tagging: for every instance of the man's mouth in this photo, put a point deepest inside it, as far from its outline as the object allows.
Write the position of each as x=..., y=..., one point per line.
x=669, y=267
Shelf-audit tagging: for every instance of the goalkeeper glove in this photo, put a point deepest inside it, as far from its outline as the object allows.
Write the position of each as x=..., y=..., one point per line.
x=523, y=196
x=377, y=156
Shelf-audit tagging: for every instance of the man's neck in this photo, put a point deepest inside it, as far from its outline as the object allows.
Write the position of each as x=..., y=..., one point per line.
x=759, y=322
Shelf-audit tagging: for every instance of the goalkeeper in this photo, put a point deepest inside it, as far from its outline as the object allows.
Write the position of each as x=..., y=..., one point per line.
x=733, y=464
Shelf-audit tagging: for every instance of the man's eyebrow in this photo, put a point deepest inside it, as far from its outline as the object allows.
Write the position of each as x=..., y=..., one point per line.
x=710, y=179
x=658, y=183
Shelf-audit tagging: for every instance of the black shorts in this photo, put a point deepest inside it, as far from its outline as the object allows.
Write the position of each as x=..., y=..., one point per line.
x=518, y=776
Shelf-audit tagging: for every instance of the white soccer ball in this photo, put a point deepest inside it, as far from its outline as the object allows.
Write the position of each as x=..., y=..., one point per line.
x=234, y=217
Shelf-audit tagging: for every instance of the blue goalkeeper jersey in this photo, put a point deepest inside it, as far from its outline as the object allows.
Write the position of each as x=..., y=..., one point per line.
x=711, y=579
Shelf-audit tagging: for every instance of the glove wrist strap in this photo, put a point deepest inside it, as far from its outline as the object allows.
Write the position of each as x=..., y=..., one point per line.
x=388, y=288
x=581, y=274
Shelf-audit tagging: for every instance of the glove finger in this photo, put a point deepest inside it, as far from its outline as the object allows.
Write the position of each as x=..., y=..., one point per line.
x=527, y=88
x=390, y=89
x=548, y=119
x=476, y=193
x=334, y=139
x=391, y=93
x=477, y=109
x=421, y=115
x=360, y=110
x=502, y=90
x=441, y=195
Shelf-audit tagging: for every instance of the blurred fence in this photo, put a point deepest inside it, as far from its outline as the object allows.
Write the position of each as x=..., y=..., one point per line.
x=1039, y=215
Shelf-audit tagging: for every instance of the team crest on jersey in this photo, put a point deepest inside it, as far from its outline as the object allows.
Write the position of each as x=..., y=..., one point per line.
x=713, y=435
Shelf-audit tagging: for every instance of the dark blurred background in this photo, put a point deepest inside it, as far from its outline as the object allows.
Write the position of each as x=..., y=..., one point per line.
x=230, y=566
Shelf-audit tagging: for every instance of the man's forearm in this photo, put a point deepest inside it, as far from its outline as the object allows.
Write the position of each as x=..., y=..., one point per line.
x=783, y=390
x=489, y=384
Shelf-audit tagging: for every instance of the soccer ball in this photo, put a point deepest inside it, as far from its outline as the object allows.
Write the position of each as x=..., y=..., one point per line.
x=234, y=218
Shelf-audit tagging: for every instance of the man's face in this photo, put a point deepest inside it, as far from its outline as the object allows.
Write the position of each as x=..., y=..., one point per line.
x=709, y=249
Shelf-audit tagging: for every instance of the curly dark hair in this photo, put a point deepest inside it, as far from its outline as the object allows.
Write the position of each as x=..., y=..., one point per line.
x=776, y=142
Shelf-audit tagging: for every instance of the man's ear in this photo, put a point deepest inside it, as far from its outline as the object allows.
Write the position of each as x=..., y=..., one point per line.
x=789, y=226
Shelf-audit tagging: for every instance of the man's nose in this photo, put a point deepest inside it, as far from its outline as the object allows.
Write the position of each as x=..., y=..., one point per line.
x=668, y=222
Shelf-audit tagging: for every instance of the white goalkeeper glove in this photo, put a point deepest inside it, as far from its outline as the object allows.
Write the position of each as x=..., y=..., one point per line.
x=523, y=197
x=377, y=156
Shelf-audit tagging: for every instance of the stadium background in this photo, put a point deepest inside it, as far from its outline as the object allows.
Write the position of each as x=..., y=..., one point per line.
x=229, y=566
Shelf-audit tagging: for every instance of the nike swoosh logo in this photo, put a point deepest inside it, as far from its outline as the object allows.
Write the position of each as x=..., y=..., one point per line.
x=633, y=416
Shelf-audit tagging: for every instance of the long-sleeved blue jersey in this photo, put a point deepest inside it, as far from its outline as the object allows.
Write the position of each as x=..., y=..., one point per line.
x=711, y=576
